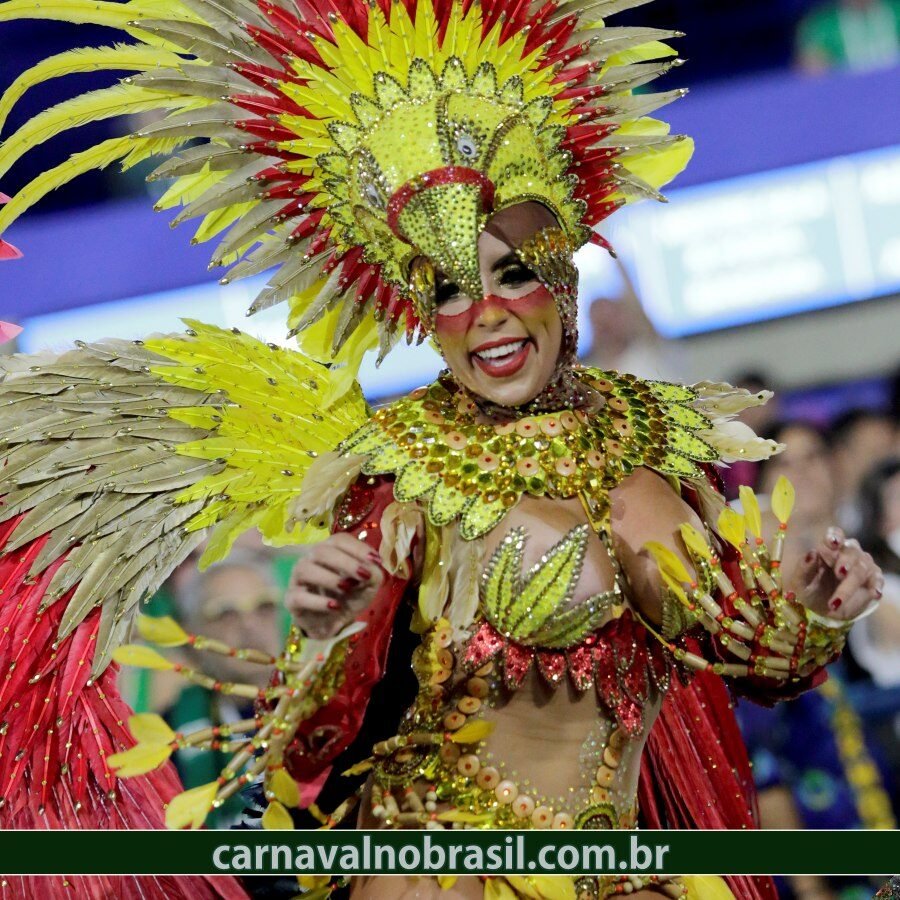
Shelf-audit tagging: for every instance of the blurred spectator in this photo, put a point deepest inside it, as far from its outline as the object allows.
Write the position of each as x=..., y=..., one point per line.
x=860, y=439
x=813, y=763
x=625, y=340
x=806, y=462
x=814, y=768
x=854, y=34
x=875, y=641
x=236, y=602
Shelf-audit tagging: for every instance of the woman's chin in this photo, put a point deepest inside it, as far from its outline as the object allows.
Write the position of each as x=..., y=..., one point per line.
x=512, y=395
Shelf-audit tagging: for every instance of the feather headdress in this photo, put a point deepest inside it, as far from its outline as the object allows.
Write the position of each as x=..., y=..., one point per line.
x=343, y=138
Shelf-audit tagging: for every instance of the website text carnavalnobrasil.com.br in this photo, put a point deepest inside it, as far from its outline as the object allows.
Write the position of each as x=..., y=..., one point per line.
x=508, y=854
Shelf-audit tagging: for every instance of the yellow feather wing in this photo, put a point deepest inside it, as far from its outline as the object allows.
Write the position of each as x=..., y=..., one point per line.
x=124, y=456
x=121, y=57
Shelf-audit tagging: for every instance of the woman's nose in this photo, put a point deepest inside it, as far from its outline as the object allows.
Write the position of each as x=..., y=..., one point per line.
x=492, y=312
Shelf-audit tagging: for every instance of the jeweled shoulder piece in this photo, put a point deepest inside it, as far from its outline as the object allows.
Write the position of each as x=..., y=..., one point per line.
x=459, y=465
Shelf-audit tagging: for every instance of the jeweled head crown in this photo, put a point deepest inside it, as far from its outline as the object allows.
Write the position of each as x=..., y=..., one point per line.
x=344, y=138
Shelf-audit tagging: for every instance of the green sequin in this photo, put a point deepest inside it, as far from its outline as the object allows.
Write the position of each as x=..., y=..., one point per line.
x=531, y=608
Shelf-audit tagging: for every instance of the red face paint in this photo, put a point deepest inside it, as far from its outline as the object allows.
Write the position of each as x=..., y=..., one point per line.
x=532, y=304
x=495, y=322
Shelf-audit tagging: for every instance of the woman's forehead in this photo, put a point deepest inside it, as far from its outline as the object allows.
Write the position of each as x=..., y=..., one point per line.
x=516, y=224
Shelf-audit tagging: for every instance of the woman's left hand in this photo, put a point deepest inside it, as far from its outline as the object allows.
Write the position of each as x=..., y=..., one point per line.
x=838, y=578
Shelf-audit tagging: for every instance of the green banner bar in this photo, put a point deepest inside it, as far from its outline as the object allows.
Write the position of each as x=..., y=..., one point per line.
x=450, y=852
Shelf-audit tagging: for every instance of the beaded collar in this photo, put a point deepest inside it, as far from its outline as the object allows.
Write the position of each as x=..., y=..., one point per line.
x=444, y=453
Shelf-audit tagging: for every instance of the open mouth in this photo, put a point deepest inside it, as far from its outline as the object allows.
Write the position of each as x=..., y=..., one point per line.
x=502, y=358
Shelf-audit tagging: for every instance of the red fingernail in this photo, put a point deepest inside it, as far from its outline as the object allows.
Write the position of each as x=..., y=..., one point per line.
x=842, y=571
x=333, y=604
x=363, y=573
x=346, y=584
x=810, y=556
x=376, y=558
x=837, y=603
x=834, y=542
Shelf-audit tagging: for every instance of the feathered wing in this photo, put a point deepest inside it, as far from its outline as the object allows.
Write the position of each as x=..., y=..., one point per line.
x=116, y=460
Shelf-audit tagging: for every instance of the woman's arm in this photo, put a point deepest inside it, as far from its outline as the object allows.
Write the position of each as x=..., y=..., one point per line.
x=757, y=626
x=645, y=508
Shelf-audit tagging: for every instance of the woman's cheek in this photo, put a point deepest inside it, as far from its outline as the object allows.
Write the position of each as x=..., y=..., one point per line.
x=450, y=328
x=536, y=307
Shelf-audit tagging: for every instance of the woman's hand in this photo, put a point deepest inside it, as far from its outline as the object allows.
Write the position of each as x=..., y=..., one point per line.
x=333, y=584
x=838, y=578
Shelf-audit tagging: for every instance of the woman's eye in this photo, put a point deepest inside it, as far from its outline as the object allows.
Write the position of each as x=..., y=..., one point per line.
x=513, y=276
x=445, y=290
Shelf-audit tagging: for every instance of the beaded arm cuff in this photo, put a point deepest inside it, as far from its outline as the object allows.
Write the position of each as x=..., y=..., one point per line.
x=758, y=629
x=618, y=885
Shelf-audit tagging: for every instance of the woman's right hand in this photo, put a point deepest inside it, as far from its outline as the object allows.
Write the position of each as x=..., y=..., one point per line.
x=333, y=584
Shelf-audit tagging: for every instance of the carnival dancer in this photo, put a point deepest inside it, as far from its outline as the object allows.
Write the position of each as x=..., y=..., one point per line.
x=549, y=538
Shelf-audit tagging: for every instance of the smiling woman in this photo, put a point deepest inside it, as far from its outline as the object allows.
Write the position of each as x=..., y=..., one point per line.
x=518, y=566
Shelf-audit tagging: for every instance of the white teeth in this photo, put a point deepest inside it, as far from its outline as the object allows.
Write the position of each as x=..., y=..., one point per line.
x=502, y=350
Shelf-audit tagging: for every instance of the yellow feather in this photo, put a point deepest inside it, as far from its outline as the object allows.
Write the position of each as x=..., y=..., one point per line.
x=707, y=887
x=122, y=57
x=426, y=32
x=543, y=887
x=275, y=396
x=659, y=167
x=646, y=52
x=141, y=657
x=359, y=768
x=403, y=42
x=472, y=50
x=498, y=889
x=675, y=587
x=354, y=55
x=752, y=515
x=732, y=527
x=163, y=631
x=189, y=809
x=77, y=164
x=277, y=818
x=472, y=732
x=188, y=188
x=695, y=542
x=219, y=219
x=149, y=728
x=783, y=499
x=94, y=106
x=379, y=37
x=147, y=147
x=139, y=760
x=283, y=787
x=349, y=359
x=668, y=562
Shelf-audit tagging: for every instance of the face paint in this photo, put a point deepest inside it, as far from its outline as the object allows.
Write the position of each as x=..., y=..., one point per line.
x=536, y=302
